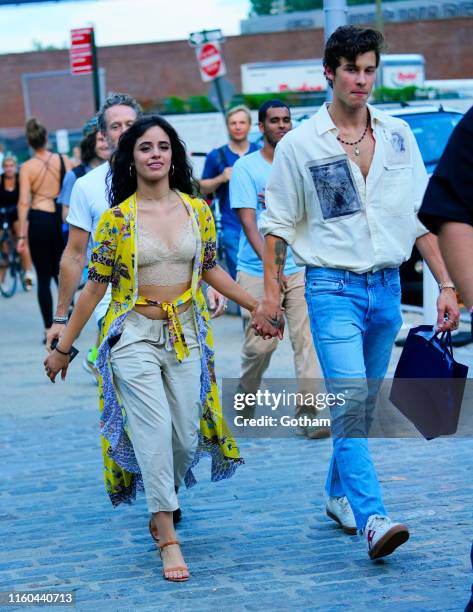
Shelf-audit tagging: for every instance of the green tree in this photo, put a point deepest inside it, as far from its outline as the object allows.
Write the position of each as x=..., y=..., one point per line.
x=261, y=7
x=302, y=5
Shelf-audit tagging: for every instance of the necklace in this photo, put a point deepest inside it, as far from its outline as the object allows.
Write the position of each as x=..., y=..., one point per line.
x=357, y=142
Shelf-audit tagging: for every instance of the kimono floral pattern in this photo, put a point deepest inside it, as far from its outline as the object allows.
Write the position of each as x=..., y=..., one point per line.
x=114, y=260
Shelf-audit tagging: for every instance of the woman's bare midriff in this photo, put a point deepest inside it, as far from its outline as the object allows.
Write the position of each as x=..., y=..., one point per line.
x=161, y=294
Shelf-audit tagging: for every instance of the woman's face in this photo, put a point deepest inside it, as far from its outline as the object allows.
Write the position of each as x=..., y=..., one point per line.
x=152, y=155
x=101, y=147
x=9, y=168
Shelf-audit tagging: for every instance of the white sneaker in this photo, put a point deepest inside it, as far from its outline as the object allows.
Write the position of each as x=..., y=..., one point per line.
x=383, y=536
x=339, y=510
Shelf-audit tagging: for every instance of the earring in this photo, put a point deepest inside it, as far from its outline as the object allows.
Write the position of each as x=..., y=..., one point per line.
x=132, y=171
x=172, y=169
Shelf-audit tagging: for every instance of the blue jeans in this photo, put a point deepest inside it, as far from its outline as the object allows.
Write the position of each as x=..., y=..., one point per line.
x=354, y=320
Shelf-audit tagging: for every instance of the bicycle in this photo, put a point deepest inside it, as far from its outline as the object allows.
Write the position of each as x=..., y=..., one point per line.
x=10, y=263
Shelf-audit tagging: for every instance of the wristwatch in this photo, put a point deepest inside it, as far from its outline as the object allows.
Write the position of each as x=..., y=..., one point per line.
x=447, y=285
x=61, y=320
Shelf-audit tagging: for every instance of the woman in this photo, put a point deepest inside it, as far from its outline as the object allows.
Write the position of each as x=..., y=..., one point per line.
x=9, y=195
x=155, y=245
x=39, y=217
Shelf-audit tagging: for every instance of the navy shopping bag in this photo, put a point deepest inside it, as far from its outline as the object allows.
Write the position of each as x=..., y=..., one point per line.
x=428, y=384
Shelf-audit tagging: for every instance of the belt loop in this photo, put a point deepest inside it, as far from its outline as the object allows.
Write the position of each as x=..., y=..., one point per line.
x=347, y=277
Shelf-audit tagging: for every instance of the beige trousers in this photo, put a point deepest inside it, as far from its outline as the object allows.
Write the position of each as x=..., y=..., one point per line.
x=161, y=398
x=256, y=352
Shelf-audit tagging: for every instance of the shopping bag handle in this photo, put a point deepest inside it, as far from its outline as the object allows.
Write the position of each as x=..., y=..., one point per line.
x=445, y=340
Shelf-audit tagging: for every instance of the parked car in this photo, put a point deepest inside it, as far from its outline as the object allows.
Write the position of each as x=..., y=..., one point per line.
x=432, y=126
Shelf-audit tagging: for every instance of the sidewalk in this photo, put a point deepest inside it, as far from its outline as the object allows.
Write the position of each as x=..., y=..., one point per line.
x=258, y=541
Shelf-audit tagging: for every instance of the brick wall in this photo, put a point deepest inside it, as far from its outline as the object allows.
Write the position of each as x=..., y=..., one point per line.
x=157, y=70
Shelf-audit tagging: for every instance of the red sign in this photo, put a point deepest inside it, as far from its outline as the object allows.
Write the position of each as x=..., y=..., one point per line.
x=210, y=61
x=80, y=54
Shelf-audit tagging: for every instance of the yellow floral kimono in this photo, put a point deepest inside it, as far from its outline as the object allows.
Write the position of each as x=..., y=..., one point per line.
x=115, y=260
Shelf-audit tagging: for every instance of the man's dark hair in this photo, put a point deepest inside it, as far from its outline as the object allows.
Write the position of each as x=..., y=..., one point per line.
x=275, y=103
x=117, y=99
x=349, y=42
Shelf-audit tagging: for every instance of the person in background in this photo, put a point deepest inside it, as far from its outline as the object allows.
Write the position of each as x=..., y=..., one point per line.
x=216, y=176
x=39, y=214
x=94, y=151
x=9, y=196
x=447, y=210
x=247, y=186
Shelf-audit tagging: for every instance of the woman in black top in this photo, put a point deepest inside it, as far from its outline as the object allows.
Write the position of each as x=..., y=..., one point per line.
x=9, y=195
x=38, y=214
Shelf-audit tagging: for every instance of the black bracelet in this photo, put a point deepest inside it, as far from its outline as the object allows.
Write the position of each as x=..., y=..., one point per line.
x=62, y=352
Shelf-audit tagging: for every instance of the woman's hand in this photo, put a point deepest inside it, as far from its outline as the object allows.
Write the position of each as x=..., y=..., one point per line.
x=217, y=302
x=54, y=363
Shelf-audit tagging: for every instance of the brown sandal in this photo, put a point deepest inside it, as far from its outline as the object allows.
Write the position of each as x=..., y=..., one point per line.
x=153, y=531
x=182, y=568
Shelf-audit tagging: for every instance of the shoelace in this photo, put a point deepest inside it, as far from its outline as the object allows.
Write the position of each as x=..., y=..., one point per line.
x=376, y=522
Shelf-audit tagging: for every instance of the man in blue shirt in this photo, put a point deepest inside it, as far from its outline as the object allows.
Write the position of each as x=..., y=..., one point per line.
x=217, y=173
x=247, y=186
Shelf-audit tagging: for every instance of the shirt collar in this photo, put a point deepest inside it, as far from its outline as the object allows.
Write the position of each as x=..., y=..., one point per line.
x=323, y=121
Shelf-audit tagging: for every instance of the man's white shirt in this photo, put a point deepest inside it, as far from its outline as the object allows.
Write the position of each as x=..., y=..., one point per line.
x=89, y=200
x=319, y=202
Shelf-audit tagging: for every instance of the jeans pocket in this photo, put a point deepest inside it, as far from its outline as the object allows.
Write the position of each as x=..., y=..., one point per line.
x=326, y=285
x=394, y=286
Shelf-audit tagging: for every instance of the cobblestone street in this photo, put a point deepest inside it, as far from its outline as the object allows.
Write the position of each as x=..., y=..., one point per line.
x=256, y=542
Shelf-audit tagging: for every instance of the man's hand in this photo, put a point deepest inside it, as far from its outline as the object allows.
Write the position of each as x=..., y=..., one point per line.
x=448, y=313
x=217, y=302
x=226, y=175
x=55, y=331
x=268, y=320
x=54, y=363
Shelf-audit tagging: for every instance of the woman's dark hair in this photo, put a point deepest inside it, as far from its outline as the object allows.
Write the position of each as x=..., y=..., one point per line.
x=36, y=134
x=87, y=148
x=349, y=42
x=123, y=181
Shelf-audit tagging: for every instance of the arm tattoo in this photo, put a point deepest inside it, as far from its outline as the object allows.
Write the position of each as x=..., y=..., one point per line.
x=280, y=250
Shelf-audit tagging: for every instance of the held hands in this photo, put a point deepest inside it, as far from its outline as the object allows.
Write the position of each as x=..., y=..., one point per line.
x=54, y=331
x=54, y=363
x=447, y=310
x=268, y=320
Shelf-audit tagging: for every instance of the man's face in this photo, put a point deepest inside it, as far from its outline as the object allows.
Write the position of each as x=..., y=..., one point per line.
x=354, y=80
x=117, y=119
x=276, y=124
x=238, y=126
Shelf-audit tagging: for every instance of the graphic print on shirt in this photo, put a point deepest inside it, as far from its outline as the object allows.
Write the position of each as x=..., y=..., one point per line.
x=397, y=154
x=335, y=187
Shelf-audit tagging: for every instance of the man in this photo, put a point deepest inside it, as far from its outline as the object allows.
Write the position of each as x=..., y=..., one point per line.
x=216, y=176
x=247, y=186
x=447, y=210
x=344, y=192
x=87, y=203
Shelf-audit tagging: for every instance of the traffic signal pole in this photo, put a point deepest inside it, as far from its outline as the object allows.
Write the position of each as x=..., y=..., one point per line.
x=95, y=73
